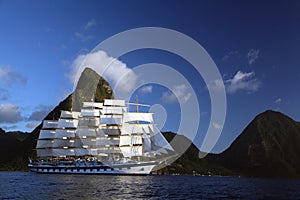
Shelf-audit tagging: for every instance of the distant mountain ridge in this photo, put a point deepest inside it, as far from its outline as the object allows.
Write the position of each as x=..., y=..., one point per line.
x=268, y=147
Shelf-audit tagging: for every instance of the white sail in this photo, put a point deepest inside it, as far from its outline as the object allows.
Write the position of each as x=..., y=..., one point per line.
x=50, y=124
x=47, y=134
x=130, y=117
x=85, y=151
x=93, y=152
x=159, y=140
x=136, y=139
x=162, y=151
x=92, y=105
x=44, y=144
x=87, y=132
x=108, y=150
x=109, y=131
x=90, y=142
x=44, y=152
x=78, y=143
x=147, y=142
x=60, y=133
x=63, y=152
x=89, y=122
x=90, y=113
x=101, y=142
x=104, y=141
x=113, y=110
x=110, y=119
x=136, y=128
x=67, y=123
x=114, y=102
x=69, y=115
x=60, y=143
x=126, y=140
x=129, y=152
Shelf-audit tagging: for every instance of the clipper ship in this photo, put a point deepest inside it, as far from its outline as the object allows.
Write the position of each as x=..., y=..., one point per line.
x=103, y=138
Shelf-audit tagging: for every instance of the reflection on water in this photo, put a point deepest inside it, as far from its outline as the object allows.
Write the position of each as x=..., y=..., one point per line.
x=19, y=185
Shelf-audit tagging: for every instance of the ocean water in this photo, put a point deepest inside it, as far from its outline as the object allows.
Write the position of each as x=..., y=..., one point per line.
x=27, y=185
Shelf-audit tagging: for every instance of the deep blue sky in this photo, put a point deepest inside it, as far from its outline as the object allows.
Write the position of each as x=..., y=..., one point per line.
x=255, y=44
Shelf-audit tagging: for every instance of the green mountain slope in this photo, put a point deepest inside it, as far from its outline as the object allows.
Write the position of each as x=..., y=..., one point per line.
x=268, y=147
x=190, y=162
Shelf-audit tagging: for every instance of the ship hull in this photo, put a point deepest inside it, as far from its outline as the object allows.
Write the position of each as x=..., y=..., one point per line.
x=117, y=169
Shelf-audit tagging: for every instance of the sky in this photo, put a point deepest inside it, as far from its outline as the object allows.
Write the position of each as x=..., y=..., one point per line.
x=254, y=44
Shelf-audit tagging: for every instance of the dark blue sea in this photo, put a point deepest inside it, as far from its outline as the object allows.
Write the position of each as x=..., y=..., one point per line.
x=27, y=185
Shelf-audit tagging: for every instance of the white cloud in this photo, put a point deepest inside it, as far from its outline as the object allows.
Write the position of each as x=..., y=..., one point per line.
x=91, y=23
x=111, y=69
x=9, y=76
x=252, y=55
x=146, y=89
x=242, y=81
x=277, y=101
x=217, y=84
x=180, y=93
x=9, y=113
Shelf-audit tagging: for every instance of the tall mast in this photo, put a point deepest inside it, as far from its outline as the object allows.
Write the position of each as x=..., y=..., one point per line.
x=136, y=103
x=137, y=110
x=137, y=106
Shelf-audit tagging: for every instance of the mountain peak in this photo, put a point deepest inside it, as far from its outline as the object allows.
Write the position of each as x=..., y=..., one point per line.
x=274, y=115
x=268, y=146
x=90, y=86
